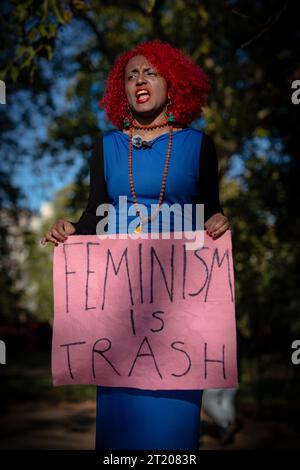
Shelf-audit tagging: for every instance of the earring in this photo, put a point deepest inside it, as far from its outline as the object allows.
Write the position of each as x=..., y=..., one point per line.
x=127, y=120
x=170, y=115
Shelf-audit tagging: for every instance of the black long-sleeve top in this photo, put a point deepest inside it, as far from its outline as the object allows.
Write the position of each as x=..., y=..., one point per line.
x=208, y=183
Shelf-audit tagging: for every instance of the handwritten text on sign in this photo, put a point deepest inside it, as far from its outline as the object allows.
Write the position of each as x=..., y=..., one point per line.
x=145, y=313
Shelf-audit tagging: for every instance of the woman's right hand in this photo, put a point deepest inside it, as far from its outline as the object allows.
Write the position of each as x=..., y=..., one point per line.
x=58, y=232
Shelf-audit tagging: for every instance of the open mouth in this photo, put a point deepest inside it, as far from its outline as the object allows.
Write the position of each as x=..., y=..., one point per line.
x=142, y=96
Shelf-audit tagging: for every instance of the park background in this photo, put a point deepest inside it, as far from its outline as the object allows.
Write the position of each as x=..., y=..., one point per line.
x=55, y=57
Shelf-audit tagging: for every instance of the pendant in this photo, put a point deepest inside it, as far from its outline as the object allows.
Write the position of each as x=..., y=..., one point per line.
x=138, y=229
x=137, y=141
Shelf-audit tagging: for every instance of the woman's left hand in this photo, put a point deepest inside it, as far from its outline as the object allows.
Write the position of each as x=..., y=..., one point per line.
x=216, y=225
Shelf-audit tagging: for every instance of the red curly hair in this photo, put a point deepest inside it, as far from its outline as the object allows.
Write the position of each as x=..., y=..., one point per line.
x=188, y=85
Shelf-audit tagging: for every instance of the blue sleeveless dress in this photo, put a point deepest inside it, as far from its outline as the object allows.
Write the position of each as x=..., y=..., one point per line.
x=131, y=418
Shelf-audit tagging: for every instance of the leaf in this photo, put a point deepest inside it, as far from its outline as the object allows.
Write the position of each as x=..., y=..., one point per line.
x=67, y=16
x=49, y=51
x=14, y=72
x=46, y=9
x=32, y=72
x=150, y=4
x=57, y=11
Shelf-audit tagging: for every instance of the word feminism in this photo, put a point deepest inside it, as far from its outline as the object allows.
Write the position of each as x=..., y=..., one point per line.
x=152, y=271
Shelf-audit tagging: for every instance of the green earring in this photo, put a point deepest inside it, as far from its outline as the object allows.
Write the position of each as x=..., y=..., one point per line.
x=171, y=118
x=126, y=123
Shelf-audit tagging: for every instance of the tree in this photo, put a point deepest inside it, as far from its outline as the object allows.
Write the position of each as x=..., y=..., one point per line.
x=247, y=48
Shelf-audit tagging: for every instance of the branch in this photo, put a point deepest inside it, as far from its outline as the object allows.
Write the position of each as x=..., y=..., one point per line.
x=269, y=23
x=128, y=5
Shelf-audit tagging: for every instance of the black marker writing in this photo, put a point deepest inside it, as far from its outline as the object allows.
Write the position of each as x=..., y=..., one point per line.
x=108, y=257
x=184, y=352
x=151, y=354
x=67, y=273
x=88, y=272
x=101, y=353
x=170, y=291
x=221, y=361
x=68, y=354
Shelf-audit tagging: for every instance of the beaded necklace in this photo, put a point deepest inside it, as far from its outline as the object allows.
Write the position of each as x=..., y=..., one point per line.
x=143, y=219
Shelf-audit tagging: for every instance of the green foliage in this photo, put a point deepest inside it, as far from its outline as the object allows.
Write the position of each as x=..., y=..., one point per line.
x=35, y=25
x=244, y=49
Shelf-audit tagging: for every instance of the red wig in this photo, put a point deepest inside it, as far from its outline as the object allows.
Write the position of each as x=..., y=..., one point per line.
x=188, y=85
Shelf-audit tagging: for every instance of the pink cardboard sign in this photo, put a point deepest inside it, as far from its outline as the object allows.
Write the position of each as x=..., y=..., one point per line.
x=149, y=314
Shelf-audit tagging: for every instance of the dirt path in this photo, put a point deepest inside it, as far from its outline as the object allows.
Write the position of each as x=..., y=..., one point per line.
x=44, y=426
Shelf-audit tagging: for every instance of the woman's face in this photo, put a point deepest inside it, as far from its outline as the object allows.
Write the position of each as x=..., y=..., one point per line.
x=141, y=76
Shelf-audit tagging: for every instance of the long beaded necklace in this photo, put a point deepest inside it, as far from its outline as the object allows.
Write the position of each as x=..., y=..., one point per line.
x=143, y=219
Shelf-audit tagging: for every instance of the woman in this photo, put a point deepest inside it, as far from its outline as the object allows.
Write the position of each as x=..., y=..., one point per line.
x=154, y=91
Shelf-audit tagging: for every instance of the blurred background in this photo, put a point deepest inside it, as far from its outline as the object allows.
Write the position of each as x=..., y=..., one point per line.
x=55, y=57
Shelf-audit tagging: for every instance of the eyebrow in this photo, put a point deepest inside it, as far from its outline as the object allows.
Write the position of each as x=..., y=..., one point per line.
x=135, y=70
